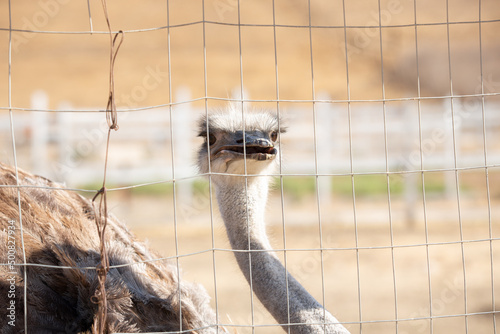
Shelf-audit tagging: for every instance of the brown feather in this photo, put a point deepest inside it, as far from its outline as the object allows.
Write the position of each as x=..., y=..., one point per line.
x=58, y=229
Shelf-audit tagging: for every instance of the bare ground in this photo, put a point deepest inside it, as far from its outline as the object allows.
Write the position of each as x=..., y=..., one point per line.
x=365, y=279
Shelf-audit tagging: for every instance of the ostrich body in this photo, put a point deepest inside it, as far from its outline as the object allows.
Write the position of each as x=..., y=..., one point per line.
x=59, y=230
x=240, y=163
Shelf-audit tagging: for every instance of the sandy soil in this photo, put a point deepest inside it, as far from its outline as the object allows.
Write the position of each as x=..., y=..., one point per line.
x=365, y=281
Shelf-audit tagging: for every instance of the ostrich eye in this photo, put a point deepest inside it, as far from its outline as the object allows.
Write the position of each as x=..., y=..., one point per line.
x=211, y=139
x=274, y=135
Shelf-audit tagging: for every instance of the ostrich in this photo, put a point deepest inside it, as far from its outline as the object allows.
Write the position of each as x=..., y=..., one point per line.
x=145, y=295
x=240, y=154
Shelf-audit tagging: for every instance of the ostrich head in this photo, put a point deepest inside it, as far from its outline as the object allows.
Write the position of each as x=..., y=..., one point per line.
x=239, y=144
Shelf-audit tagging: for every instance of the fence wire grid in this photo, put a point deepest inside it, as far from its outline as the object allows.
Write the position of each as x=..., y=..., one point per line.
x=385, y=207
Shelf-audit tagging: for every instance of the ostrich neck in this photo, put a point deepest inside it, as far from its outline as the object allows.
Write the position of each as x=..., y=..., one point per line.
x=242, y=206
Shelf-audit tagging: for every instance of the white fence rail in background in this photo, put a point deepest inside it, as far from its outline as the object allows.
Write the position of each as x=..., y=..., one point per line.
x=68, y=146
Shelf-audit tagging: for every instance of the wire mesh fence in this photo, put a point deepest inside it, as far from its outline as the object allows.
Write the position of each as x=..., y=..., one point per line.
x=385, y=206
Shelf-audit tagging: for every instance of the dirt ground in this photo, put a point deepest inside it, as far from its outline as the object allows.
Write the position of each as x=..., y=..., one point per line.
x=365, y=280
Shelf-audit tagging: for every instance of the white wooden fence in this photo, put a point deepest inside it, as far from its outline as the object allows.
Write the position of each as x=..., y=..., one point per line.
x=327, y=138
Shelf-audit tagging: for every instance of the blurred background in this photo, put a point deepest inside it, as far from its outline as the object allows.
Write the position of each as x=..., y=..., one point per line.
x=398, y=181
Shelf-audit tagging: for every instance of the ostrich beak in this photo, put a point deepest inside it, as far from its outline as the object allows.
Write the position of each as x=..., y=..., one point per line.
x=255, y=146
